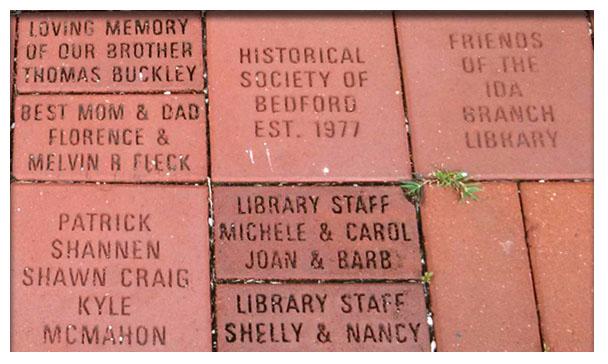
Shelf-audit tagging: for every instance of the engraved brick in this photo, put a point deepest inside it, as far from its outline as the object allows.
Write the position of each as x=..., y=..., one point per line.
x=305, y=97
x=128, y=138
x=110, y=52
x=108, y=268
x=501, y=95
x=316, y=232
x=327, y=317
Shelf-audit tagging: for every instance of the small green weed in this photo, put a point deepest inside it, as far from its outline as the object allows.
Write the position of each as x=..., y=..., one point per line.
x=457, y=180
x=427, y=277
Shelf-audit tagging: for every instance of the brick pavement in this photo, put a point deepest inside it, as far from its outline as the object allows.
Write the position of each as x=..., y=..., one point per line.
x=230, y=181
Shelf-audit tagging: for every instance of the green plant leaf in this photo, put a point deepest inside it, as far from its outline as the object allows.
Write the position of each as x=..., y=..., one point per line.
x=456, y=180
x=413, y=189
x=427, y=277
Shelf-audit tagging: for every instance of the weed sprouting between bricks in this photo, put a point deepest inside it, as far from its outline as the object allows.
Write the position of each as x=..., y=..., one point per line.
x=456, y=180
x=426, y=277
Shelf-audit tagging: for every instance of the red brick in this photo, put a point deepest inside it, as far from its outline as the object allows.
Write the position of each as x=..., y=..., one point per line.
x=369, y=143
x=45, y=219
x=13, y=38
x=331, y=235
x=161, y=52
x=51, y=132
x=559, y=224
x=378, y=317
x=556, y=73
x=482, y=296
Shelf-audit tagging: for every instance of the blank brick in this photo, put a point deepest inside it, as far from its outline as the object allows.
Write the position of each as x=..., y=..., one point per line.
x=12, y=35
x=482, y=296
x=559, y=224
